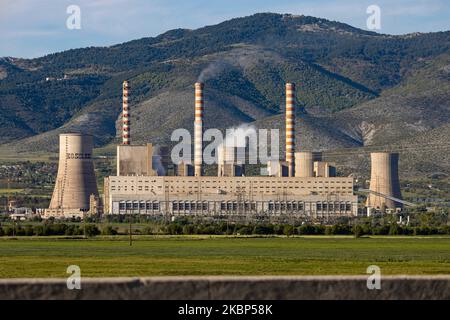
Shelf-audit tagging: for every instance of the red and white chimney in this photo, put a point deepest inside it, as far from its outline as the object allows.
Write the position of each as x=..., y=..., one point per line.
x=198, y=129
x=290, y=128
x=126, y=124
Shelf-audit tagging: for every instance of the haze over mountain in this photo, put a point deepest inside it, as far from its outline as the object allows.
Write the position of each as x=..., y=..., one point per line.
x=355, y=88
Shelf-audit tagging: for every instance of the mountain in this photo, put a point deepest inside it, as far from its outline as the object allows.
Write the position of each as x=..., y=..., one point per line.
x=355, y=88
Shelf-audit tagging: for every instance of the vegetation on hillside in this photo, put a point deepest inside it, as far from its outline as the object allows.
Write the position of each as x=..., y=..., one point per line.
x=318, y=54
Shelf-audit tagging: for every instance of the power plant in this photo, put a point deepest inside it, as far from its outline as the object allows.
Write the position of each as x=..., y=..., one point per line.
x=291, y=189
x=75, y=190
x=302, y=186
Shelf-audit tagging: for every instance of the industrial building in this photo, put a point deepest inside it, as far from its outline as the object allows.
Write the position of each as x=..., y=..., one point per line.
x=301, y=186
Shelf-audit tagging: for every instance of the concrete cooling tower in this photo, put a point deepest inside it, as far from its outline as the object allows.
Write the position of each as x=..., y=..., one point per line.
x=384, y=181
x=76, y=186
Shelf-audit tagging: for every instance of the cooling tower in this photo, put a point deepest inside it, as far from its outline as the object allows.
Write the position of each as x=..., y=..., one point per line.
x=290, y=128
x=304, y=164
x=126, y=125
x=384, y=180
x=198, y=130
x=76, y=181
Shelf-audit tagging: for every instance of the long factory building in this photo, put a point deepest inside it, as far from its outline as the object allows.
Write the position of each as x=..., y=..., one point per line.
x=302, y=185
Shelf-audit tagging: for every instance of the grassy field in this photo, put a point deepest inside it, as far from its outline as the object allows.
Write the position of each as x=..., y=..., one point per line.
x=113, y=257
x=10, y=191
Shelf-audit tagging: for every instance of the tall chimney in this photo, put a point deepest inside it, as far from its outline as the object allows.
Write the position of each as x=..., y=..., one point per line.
x=290, y=128
x=126, y=129
x=198, y=129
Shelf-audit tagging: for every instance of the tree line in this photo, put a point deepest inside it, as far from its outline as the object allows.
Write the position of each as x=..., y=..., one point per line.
x=221, y=228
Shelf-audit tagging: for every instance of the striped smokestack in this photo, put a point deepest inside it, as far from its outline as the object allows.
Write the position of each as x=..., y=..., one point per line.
x=290, y=128
x=198, y=129
x=126, y=129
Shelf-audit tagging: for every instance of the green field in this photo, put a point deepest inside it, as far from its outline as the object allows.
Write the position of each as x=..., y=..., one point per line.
x=156, y=256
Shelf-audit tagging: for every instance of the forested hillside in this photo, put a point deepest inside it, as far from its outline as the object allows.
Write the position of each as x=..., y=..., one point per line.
x=355, y=88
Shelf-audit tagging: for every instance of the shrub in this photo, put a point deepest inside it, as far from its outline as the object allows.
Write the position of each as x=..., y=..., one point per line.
x=109, y=231
x=8, y=231
x=422, y=231
x=340, y=229
x=408, y=231
x=207, y=230
x=383, y=230
x=278, y=229
x=358, y=231
x=29, y=231
x=319, y=230
x=189, y=229
x=19, y=231
x=174, y=229
x=288, y=230
x=91, y=230
x=307, y=229
x=263, y=229
x=39, y=231
x=57, y=229
x=72, y=230
x=444, y=230
x=395, y=229
x=245, y=230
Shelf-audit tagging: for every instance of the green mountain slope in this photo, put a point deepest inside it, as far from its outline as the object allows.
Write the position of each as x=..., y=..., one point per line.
x=354, y=87
x=420, y=103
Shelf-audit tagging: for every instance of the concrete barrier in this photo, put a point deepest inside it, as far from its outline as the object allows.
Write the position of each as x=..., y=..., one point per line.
x=230, y=288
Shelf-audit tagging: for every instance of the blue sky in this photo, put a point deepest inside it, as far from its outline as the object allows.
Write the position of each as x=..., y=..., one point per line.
x=32, y=28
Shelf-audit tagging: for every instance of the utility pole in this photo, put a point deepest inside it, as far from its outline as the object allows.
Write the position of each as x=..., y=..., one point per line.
x=84, y=224
x=131, y=232
x=8, y=197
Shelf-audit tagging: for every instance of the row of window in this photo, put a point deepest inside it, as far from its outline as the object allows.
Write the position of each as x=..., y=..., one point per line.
x=178, y=188
x=149, y=206
x=324, y=206
x=242, y=182
x=274, y=206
